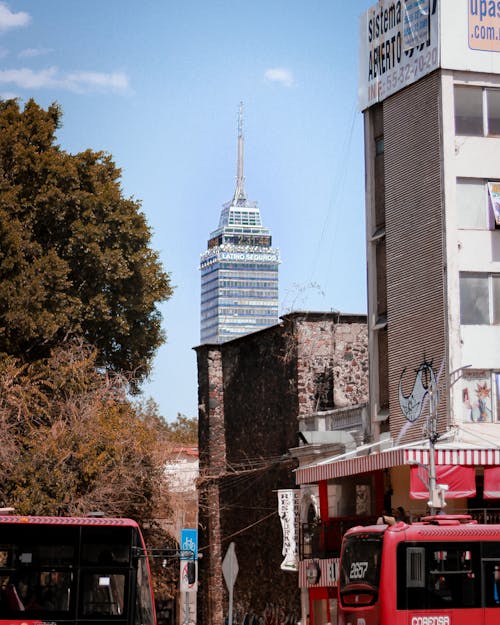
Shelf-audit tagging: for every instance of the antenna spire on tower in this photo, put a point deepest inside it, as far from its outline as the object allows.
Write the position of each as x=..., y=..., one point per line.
x=239, y=194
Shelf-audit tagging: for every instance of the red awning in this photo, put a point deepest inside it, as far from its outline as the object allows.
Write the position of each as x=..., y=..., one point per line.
x=342, y=467
x=461, y=481
x=492, y=483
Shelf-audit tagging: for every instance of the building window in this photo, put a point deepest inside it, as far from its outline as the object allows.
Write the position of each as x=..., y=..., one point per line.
x=493, y=108
x=479, y=299
x=478, y=204
x=477, y=111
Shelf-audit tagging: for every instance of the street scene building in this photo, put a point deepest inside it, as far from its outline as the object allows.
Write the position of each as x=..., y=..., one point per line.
x=430, y=95
x=239, y=269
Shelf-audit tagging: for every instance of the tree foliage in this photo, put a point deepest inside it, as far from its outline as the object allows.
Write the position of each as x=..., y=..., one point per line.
x=71, y=442
x=75, y=256
x=183, y=430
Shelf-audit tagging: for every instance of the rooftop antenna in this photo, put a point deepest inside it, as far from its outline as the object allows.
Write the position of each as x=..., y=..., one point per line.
x=239, y=194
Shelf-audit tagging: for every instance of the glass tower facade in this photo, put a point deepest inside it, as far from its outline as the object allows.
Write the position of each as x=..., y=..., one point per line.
x=239, y=269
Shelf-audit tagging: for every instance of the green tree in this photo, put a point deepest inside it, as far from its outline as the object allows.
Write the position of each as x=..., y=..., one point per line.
x=183, y=430
x=75, y=255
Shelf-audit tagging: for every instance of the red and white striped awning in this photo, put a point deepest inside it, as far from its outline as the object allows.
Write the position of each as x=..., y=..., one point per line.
x=393, y=458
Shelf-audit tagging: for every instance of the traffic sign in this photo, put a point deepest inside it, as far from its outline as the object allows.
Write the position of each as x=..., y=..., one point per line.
x=189, y=544
x=186, y=585
x=230, y=567
x=230, y=571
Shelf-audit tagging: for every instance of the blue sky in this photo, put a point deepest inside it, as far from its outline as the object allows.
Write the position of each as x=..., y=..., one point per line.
x=157, y=83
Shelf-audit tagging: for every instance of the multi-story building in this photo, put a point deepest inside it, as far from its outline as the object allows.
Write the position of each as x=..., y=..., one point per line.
x=430, y=95
x=430, y=91
x=239, y=269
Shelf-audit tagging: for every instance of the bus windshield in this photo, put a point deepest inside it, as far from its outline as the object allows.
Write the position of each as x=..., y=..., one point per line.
x=361, y=557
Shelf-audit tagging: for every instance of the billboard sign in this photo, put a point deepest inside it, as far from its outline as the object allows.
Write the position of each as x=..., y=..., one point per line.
x=401, y=41
x=470, y=35
x=399, y=44
x=484, y=25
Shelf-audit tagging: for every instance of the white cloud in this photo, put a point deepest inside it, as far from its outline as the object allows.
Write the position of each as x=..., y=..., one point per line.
x=12, y=20
x=28, y=79
x=78, y=82
x=8, y=95
x=117, y=81
x=30, y=53
x=279, y=75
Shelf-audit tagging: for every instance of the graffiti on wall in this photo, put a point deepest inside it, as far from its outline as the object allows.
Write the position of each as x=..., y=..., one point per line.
x=425, y=382
x=425, y=388
x=273, y=615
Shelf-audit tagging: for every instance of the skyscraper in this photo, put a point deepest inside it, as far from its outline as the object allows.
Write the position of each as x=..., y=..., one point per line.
x=239, y=269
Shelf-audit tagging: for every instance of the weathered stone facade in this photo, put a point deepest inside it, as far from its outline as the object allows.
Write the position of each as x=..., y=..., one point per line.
x=252, y=392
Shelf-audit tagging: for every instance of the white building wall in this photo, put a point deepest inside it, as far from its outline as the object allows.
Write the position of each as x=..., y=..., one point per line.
x=474, y=346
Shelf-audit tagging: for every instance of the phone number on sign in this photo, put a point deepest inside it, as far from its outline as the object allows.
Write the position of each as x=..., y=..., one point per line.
x=408, y=72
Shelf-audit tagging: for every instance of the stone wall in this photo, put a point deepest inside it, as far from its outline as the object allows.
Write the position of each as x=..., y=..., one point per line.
x=252, y=391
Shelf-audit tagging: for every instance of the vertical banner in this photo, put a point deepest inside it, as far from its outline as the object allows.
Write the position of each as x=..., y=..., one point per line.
x=288, y=510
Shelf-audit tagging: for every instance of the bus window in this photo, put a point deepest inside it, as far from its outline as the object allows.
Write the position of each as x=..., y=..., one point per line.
x=438, y=576
x=361, y=561
x=103, y=594
x=491, y=583
x=106, y=545
x=143, y=608
x=360, y=570
x=415, y=567
x=42, y=591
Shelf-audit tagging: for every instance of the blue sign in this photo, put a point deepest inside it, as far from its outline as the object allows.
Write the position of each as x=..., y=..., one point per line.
x=189, y=542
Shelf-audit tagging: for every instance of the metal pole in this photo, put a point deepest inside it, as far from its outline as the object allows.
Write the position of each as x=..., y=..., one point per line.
x=230, y=611
x=432, y=477
x=432, y=459
x=186, y=609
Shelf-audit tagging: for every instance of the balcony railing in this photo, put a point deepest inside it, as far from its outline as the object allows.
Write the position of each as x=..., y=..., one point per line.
x=323, y=539
x=481, y=515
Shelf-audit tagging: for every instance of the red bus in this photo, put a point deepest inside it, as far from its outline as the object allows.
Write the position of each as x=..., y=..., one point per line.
x=444, y=570
x=58, y=571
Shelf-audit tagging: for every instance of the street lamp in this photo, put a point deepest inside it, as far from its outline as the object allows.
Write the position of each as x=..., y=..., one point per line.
x=437, y=492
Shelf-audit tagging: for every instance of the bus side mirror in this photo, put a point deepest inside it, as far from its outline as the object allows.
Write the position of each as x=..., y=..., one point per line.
x=191, y=572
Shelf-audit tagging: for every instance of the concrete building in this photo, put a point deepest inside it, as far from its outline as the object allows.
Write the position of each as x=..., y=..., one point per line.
x=430, y=94
x=259, y=396
x=239, y=269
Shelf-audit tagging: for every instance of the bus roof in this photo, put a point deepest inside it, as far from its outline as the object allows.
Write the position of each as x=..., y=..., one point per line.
x=434, y=528
x=54, y=520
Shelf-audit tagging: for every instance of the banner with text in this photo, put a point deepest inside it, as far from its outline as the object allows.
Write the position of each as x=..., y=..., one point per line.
x=288, y=510
x=399, y=44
